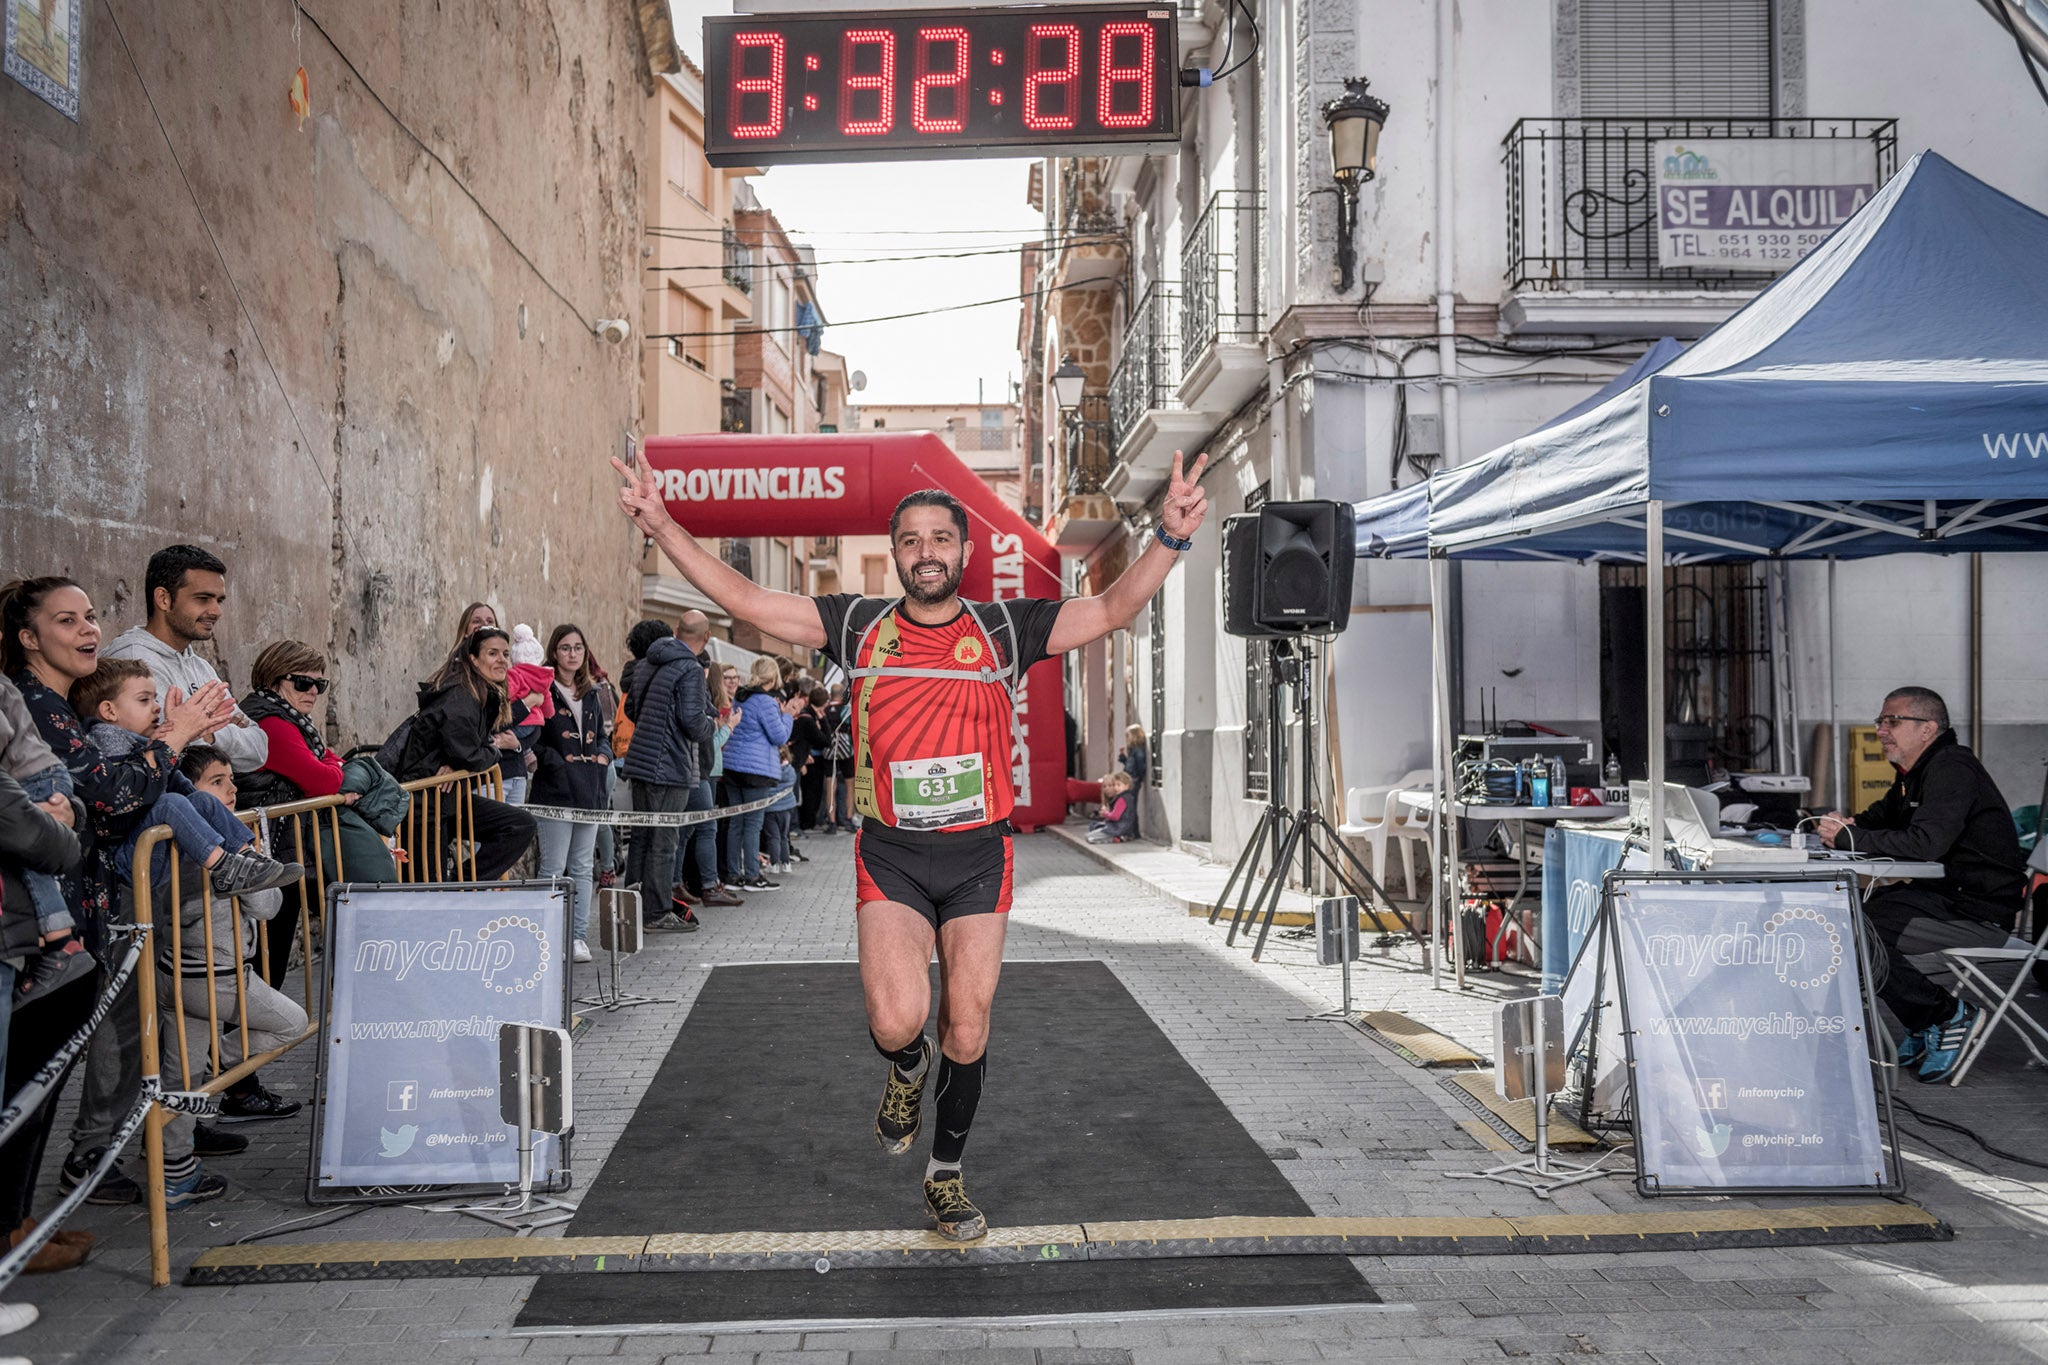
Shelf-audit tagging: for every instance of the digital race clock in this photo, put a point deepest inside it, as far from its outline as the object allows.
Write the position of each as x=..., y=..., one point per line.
x=903, y=84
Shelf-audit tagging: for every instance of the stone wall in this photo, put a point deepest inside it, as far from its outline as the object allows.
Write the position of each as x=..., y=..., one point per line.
x=353, y=357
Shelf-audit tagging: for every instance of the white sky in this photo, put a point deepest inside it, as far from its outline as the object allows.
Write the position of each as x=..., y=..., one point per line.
x=876, y=208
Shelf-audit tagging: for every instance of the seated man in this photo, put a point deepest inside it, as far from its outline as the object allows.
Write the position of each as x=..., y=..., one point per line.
x=1942, y=808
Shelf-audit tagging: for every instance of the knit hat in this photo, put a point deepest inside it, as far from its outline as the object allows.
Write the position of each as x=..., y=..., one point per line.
x=525, y=645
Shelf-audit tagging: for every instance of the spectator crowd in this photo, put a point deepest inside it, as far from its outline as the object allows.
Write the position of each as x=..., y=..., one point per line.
x=101, y=740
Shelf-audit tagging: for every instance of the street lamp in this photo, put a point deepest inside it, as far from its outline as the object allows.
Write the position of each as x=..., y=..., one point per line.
x=1354, y=119
x=1069, y=382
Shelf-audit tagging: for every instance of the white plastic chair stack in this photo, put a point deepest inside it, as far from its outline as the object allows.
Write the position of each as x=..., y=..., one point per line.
x=1376, y=816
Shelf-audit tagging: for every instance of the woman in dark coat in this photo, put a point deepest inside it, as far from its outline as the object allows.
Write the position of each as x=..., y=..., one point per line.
x=464, y=722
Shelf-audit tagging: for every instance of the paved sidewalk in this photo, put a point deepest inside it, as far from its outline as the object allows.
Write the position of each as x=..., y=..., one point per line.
x=1355, y=1129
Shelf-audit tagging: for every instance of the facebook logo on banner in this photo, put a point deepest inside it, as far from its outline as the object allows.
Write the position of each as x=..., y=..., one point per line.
x=1713, y=1093
x=402, y=1096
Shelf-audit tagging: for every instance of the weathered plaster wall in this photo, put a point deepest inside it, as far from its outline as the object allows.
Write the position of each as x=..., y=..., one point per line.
x=421, y=263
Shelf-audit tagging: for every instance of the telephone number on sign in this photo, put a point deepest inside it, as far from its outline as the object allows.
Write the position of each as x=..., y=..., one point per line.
x=1744, y=246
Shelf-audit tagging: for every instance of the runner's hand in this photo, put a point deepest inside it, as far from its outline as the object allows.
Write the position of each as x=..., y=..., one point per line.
x=641, y=499
x=1181, y=513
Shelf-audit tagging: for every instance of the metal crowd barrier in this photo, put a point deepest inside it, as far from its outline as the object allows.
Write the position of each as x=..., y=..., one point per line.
x=421, y=856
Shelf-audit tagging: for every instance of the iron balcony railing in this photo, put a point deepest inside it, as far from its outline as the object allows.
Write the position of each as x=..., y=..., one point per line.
x=1221, y=280
x=971, y=439
x=1148, y=368
x=1087, y=445
x=1581, y=203
x=739, y=262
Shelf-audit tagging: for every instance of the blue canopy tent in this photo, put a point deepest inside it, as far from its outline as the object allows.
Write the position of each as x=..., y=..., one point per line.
x=1887, y=394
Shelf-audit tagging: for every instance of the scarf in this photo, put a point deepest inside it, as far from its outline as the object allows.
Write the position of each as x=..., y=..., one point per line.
x=263, y=704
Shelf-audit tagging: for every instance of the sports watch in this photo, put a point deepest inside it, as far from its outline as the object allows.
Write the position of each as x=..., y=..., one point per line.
x=1171, y=542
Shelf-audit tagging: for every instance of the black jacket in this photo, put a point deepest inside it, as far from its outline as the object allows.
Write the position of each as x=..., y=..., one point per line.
x=808, y=738
x=454, y=729
x=670, y=720
x=573, y=753
x=1947, y=810
x=29, y=841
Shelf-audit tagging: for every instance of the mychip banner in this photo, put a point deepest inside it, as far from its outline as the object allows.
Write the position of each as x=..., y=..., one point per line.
x=420, y=979
x=1749, y=1039
x=1757, y=203
x=1574, y=861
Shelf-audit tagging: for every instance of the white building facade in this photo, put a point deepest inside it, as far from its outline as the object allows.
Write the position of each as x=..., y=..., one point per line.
x=1507, y=268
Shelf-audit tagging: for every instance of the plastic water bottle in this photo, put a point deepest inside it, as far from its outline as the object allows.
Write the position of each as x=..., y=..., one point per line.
x=1560, y=790
x=1539, y=782
x=1611, y=778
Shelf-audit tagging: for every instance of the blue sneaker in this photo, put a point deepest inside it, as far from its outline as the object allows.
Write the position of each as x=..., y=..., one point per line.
x=1913, y=1047
x=195, y=1188
x=1945, y=1047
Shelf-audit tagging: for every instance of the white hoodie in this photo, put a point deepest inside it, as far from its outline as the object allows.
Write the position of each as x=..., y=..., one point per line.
x=247, y=747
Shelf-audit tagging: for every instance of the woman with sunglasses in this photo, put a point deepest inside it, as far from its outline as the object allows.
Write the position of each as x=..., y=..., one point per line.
x=289, y=685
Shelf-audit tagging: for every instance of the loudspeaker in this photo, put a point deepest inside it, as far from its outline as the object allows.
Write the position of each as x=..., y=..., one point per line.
x=1287, y=570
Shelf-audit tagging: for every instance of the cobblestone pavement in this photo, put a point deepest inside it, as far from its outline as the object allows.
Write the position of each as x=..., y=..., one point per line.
x=1355, y=1129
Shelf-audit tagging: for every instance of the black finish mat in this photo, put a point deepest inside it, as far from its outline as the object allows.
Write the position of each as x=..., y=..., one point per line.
x=762, y=1119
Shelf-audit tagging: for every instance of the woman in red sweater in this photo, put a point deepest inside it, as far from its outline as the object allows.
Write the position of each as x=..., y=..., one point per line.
x=289, y=690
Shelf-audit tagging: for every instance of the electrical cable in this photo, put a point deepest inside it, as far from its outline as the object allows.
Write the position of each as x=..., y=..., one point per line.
x=1952, y=1126
x=306, y=1224
x=2026, y=57
x=891, y=317
x=1257, y=41
x=284, y=395
x=872, y=260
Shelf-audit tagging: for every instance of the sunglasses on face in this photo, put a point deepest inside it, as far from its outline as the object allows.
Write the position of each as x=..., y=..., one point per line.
x=1894, y=722
x=305, y=684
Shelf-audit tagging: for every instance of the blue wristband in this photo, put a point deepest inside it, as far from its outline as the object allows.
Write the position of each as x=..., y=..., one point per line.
x=1178, y=546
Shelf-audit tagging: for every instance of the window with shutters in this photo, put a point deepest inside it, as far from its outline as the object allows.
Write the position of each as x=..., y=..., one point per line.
x=1657, y=58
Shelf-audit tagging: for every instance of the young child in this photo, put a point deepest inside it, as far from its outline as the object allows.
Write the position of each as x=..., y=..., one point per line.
x=1118, y=819
x=29, y=761
x=119, y=699
x=775, y=830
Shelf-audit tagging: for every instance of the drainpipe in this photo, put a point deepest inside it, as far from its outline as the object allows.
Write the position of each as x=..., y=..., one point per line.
x=1446, y=338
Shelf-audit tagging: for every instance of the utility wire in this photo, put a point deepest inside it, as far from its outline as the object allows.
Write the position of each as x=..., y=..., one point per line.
x=892, y=317
x=446, y=169
x=870, y=260
x=284, y=395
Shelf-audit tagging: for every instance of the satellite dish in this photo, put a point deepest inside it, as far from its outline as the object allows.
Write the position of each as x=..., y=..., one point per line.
x=859, y=380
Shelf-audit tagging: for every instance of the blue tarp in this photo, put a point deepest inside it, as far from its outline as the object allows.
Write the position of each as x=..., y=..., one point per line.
x=1887, y=394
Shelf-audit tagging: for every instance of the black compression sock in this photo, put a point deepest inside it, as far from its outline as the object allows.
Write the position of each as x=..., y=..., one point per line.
x=907, y=1060
x=958, y=1095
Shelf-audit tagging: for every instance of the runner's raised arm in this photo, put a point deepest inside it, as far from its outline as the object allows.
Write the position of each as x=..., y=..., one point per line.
x=784, y=615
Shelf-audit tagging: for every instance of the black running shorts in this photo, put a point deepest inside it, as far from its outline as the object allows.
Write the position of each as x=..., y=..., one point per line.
x=941, y=876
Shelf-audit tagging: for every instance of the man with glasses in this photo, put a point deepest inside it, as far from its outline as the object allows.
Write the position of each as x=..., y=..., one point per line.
x=1942, y=808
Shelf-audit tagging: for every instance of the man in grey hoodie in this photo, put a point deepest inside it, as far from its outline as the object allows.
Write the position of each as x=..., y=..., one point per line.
x=185, y=588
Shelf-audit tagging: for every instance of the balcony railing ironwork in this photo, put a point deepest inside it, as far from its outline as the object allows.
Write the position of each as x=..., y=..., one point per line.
x=972, y=439
x=738, y=260
x=1581, y=203
x=1086, y=437
x=1148, y=368
x=1221, y=280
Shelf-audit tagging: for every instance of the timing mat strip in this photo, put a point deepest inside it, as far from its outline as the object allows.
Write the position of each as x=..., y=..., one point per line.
x=1413, y=1041
x=1547, y=1234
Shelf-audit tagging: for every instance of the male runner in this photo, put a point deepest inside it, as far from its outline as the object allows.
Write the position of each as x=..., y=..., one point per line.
x=932, y=712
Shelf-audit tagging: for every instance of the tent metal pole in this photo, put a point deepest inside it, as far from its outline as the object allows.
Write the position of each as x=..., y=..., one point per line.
x=1653, y=606
x=1439, y=747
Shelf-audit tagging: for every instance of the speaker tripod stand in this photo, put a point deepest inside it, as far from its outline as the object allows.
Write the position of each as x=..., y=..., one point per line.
x=1282, y=832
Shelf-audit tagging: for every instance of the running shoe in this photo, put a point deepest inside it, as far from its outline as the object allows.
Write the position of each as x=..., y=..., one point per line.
x=580, y=951
x=1947, y=1043
x=257, y=1105
x=210, y=1141
x=243, y=873
x=902, y=1111
x=945, y=1199
x=1913, y=1047
x=116, y=1189
x=195, y=1188
x=672, y=923
x=761, y=884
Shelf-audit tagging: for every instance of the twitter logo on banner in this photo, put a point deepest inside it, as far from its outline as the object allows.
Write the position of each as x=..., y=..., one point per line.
x=398, y=1143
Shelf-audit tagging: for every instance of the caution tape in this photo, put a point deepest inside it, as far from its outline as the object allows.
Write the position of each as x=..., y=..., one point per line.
x=575, y=816
x=38, y=1087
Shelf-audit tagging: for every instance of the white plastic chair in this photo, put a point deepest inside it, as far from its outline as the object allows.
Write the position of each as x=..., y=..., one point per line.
x=1376, y=816
x=1999, y=1000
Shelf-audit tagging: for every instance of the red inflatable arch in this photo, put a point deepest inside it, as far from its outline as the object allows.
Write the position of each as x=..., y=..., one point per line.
x=847, y=485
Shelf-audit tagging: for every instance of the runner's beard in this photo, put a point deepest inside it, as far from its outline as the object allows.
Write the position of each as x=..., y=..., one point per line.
x=937, y=592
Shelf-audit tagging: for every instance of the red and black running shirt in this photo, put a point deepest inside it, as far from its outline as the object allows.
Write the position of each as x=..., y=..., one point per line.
x=902, y=720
